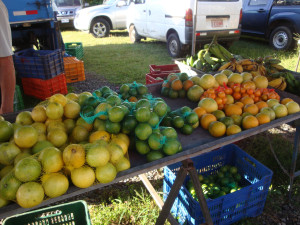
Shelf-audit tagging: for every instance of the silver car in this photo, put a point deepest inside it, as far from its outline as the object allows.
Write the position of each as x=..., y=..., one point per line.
x=100, y=19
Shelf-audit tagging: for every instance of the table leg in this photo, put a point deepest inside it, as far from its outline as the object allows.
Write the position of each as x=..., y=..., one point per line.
x=188, y=167
x=294, y=160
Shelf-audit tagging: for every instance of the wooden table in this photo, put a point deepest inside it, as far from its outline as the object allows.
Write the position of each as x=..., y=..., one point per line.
x=199, y=142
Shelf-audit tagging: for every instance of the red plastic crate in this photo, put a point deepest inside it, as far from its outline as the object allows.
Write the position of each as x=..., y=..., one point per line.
x=164, y=69
x=74, y=69
x=43, y=89
x=151, y=78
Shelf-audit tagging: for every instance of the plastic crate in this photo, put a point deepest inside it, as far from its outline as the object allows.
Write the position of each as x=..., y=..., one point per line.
x=18, y=99
x=152, y=78
x=75, y=213
x=42, y=64
x=74, y=49
x=164, y=69
x=249, y=201
x=43, y=89
x=74, y=69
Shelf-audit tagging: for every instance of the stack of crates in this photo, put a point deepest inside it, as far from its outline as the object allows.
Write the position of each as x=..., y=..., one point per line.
x=41, y=72
x=74, y=69
x=158, y=74
x=74, y=49
x=248, y=201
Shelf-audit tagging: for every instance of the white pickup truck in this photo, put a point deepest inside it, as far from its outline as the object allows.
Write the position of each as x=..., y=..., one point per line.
x=100, y=19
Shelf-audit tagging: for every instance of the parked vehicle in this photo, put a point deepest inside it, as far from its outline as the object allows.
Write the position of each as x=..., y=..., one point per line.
x=67, y=10
x=172, y=21
x=32, y=24
x=274, y=20
x=99, y=20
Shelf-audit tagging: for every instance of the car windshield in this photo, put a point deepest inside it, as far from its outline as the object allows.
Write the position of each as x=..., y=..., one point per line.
x=109, y=2
x=62, y=3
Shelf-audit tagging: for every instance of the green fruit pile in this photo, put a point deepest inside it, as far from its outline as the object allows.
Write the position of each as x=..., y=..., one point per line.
x=133, y=91
x=226, y=181
x=183, y=118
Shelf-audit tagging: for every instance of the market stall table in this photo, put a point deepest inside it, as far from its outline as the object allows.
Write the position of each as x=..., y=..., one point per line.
x=199, y=142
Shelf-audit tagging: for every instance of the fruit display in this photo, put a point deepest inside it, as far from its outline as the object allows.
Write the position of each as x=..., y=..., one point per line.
x=184, y=119
x=227, y=180
x=132, y=92
x=51, y=146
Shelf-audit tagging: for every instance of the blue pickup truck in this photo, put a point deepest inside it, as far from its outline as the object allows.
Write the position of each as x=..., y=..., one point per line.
x=275, y=20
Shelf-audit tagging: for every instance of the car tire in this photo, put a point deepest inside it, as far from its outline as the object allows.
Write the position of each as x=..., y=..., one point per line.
x=133, y=35
x=100, y=28
x=174, y=46
x=281, y=38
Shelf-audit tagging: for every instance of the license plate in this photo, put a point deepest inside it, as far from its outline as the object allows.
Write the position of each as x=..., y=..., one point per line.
x=217, y=23
x=65, y=20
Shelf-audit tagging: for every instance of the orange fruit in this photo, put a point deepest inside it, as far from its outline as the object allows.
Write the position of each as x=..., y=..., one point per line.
x=217, y=129
x=233, y=109
x=286, y=100
x=247, y=100
x=261, y=104
x=206, y=119
x=250, y=122
x=199, y=111
x=132, y=99
x=176, y=85
x=237, y=95
x=263, y=118
x=233, y=129
x=251, y=108
x=249, y=85
x=240, y=104
x=187, y=84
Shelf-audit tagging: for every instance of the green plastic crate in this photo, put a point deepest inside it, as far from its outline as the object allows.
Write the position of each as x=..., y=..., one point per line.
x=75, y=213
x=74, y=49
x=18, y=99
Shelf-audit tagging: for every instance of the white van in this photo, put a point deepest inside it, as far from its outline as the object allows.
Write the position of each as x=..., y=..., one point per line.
x=171, y=21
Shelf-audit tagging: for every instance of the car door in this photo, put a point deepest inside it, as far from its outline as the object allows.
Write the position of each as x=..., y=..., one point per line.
x=120, y=14
x=255, y=16
x=138, y=13
x=156, y=19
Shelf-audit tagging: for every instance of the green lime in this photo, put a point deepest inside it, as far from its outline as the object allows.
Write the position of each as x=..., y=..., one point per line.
x=6, y=131
x=181, y=93
x=169, y=132
x=142, y=89
x=160, y=108
x=154, y=155
x=227, y=121
x=116, y=114
x=92, y=101
x=105, y=89
x=237, y=119
x=82, y=98
x=143, y=131
x=192, y=118
x=165, y=91
x=183, y=77
x=129, y=123
x=173, y=94
x=133, y=92
x=142, y=147
x=111, y=127
x=224, y=181
x=233, y=170
x=218, y=114
x=171, y=146
x=143, y=103
x=200, y=177
x=187, y=129
x=185, y=110
x=124, y=88
x=154, y=119
x=220, y=175
x=142, y=114
x=237, y=177
x=155, y=141
x=113, y=100
x=99, y=124
x=178, y=122
x=98, y=93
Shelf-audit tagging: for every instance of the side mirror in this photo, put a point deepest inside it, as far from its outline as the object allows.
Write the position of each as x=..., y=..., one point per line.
x=121, y=3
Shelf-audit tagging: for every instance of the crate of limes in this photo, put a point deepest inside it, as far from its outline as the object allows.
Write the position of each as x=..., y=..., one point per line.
x=234, y=183
x=74, y=49
x=18, y=99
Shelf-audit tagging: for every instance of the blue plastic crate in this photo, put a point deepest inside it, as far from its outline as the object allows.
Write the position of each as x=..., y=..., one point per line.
x=246, y=202
x=42, y=64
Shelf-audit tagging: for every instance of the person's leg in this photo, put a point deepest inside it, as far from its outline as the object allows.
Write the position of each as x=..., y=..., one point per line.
x=7, y=84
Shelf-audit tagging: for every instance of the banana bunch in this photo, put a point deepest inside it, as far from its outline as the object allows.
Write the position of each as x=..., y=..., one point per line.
x=292, y=85
x=272, y=65
x=210, y=58
x=279, y=83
